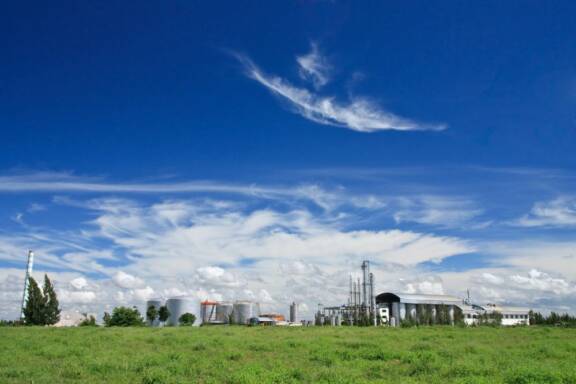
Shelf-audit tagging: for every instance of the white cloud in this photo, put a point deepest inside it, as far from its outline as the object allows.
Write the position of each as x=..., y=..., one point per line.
x=314, y=67
x=143, y=294
x=79, y=283
x=560, y=212
x=435, y=210
x=76, y=297
x=125, y=280
x=546, y=255
x=360, y=114
x=63, y=182
x=219, y=277
x=427, y=284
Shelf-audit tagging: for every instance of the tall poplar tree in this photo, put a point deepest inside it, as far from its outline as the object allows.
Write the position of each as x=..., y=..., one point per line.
x=51, y=309
x=35, y=304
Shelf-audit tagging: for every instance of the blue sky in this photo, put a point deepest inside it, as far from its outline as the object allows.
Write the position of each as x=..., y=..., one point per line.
x=253, y=150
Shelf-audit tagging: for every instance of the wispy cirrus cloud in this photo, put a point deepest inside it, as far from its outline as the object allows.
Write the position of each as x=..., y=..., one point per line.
x=314, y=67
x=560, y=212
x=359, y=114
x=437, y=210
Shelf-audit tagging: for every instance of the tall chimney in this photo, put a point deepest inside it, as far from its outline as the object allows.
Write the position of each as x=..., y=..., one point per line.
x=27, y=282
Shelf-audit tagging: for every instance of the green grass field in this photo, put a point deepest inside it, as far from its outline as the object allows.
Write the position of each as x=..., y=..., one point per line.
x=287, y=355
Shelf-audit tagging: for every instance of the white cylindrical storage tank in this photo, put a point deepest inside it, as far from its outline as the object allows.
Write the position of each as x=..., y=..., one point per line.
x=156, y=303
x=243, y=312
x=224, y=311
x=177, y=306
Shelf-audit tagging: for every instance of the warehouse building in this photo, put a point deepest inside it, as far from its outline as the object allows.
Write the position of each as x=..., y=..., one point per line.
x=395, y=308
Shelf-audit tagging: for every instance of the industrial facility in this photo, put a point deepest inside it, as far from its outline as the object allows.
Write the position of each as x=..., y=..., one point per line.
x=220, y=312
x=364, y=307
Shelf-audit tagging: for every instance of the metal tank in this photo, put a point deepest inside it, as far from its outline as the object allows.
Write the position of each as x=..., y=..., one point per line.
x=208, y=311
x=223, y=312
x=177, y=306
x=293, y=313
x=243, y=311
x=156, y=303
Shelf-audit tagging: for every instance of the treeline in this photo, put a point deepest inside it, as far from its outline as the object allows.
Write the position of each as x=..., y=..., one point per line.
x=554, y=318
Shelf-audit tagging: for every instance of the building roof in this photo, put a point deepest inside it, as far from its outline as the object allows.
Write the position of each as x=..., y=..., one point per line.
x=417, y=298
x=505, y=309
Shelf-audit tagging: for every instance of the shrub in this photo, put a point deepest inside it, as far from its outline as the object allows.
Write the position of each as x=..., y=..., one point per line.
x=187, y=319
x=89, y=321
x=124, y=317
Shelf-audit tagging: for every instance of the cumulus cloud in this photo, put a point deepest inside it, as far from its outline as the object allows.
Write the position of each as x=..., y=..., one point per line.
x=216, y=276
x=76, y=297
x=125, y=280
x=143, y=294
x=314, y=67
x=560, y=212
x=79, y=283
x=359, y=114
x=533, y=287
x=231, y=237
x=428, y=285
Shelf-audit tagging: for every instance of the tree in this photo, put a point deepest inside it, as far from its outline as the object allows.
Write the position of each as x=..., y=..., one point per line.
x=124, y=317
x=51, y=310
x=89, y=321
x=163, y=314
x=35, y=305
x=107, y=319
x=151, y=314
x=187, y=319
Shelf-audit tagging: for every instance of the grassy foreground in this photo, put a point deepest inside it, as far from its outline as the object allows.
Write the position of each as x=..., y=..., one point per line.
x=287, y=355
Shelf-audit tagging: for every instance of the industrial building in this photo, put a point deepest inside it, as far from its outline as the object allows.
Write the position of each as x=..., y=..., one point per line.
x=510, y=315
x=364, y=307
x=437, y=309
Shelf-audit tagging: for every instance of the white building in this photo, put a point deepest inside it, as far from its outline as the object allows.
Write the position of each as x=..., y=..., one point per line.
x=394, y=308
x=510, y=315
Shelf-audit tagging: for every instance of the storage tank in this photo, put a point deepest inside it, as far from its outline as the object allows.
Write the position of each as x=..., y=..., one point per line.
x=208, y=311
x=224, y=311
x=156, y=303
x=244, y=311
x=293, y=312
x=177, y=306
